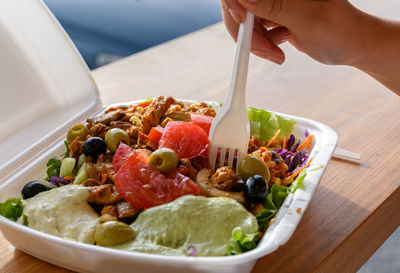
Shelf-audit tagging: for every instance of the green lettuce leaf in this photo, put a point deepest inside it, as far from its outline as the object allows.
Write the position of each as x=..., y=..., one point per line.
x=53, y=167
x=242, y=242
x=264, y=124
x=11, y=208
x=264, y=216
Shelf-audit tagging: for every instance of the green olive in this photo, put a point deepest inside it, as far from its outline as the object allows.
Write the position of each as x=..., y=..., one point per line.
x=114, y=136
x=78, y=130
x=113, y=233
x=251, y=165
x=165, y=160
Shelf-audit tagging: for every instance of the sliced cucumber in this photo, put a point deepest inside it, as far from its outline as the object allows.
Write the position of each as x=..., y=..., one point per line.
x=67, y=166
x=81, y=160
x=82, y=175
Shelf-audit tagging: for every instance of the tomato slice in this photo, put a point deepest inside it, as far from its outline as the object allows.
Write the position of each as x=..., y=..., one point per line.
x=145, y=187
x=122, y=153
x=187, y=139
x=155, y=135
x=202, y=120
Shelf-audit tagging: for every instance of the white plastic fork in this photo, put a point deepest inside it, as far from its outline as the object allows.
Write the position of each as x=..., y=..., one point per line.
x=230, y=129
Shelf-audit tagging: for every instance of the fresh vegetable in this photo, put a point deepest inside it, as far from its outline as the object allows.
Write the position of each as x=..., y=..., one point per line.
x=302, y=168
x=256, y=189
x=264, y=216
x=186, y=139
x=94, y=146
x=114, y=136
x=58, y=181
x=146, y=187
x=242, y=242
x=112, y=233
x=274, y=137
x=67, y=166
x=202, y=120
x=78, y=130
x=81, y=176
x=279, y=194
x=53, y=167
x=122, y=154
x=66, y=153
x=165, y=160
x=251, y=165
x=32, y=188
x=264, y=124
x=155, y=135
x=81, y=160
x=12, y=208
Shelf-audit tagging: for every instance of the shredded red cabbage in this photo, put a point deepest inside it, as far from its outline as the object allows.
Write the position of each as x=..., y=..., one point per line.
x=57, y=181
x=291, y=141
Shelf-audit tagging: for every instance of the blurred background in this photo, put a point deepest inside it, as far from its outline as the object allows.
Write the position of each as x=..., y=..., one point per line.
x=105, y=31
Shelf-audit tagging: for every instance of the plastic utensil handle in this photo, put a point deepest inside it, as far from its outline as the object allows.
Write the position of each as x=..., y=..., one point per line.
x=236, y=95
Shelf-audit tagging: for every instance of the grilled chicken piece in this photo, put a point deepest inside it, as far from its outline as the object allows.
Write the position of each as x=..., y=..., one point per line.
x=103, y=195
x=209, y=190
x=126, y=209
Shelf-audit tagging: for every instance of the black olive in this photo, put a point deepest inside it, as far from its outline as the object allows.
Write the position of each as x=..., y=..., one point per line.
x=256, y=189
x=32, y=188
x=94, y=146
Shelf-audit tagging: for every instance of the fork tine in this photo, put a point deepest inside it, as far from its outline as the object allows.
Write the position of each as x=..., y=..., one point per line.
x=222, y=156
x=240, y=156
x=213, y=156
x=231, y=157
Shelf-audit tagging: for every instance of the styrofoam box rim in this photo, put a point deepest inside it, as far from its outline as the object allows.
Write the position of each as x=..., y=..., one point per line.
x=75, y=256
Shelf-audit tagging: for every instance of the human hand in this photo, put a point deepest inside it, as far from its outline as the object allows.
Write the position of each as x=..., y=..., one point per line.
x=330, y=31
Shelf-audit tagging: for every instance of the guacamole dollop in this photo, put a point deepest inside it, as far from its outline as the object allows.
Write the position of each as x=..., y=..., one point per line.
x=190, y=221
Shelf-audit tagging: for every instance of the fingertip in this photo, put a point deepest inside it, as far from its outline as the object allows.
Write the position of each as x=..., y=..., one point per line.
x=278, y=59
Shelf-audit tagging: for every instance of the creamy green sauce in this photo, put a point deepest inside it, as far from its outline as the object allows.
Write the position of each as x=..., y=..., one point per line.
x=63, y=212
x=205, y=223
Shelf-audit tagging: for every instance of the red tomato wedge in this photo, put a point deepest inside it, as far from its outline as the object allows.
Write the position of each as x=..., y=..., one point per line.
x=122, y=154
x=188, y=140
x=155, y=135
x=145, y=187
x=202, y=120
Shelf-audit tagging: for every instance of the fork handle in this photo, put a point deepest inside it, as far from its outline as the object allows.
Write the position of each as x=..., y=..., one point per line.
x=237, y=94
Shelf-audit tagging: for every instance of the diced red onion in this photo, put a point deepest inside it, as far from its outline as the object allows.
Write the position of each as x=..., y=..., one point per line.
x=193, y=250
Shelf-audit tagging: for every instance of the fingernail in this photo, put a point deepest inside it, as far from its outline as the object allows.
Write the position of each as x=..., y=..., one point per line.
x=252, y=1
x=235, y=16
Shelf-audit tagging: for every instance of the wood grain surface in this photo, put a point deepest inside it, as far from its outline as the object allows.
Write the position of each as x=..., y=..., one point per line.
x=355, y=207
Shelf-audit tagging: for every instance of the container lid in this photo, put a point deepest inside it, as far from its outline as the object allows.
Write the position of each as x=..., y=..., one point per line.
x=44, y=83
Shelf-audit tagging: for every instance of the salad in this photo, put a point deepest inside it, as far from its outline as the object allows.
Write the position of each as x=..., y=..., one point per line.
x=137, y=178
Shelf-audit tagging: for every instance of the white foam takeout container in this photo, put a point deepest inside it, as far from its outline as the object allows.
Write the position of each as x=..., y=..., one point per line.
x=45, y=89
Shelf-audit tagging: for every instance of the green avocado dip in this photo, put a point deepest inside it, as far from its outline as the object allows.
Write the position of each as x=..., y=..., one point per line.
x=63, y=212
x=190, y=221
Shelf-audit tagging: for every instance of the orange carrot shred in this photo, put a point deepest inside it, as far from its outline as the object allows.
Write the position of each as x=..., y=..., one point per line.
x=274, y=137
x=284, y=144
x=307, y=143
x=68, y=178
x=299, y=170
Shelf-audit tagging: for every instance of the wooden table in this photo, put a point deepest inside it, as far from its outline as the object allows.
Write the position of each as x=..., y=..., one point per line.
x=356, y=206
